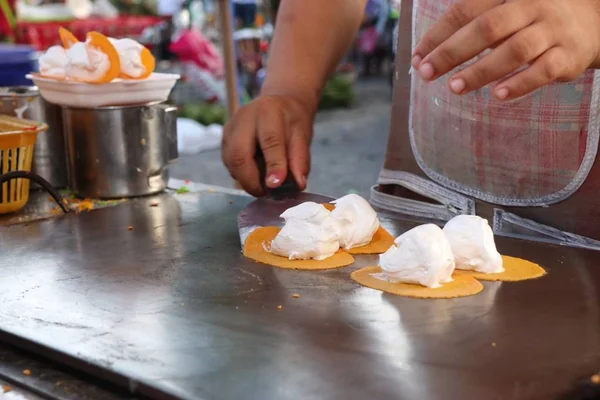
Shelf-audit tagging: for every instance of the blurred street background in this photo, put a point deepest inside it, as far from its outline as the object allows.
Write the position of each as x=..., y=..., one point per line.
x=347, y=150
x=190, y=38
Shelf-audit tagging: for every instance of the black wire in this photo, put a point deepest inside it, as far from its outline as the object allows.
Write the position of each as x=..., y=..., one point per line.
x=40, y=181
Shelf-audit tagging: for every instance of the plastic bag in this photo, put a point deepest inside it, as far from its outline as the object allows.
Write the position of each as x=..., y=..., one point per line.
x=204, y=83
x=192, y=46
x=194, y=138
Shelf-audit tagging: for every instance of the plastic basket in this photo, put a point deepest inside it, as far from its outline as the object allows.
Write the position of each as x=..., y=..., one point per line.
x=17, y=140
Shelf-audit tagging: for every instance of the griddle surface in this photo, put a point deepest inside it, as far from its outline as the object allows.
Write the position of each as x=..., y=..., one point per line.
x=174, y=309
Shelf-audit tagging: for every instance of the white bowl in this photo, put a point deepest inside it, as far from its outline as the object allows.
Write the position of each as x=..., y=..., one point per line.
x=116, y=93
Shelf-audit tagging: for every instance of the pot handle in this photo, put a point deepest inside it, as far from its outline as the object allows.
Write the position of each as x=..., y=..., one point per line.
x=170, y=117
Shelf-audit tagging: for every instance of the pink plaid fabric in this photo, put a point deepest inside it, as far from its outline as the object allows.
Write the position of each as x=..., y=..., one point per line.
x=522, y=150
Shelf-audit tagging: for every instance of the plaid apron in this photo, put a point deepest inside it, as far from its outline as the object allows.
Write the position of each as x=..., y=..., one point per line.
x=527, y=165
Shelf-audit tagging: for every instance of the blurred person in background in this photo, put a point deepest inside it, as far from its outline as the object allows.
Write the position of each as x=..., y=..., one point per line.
x=374, y=38
x=169, y=7
x=274, y=5
x=245, y=12
x=384, y=51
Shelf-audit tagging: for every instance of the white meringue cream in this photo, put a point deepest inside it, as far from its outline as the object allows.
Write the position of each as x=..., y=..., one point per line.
x=358, y=221
x=472, y=242
x=86, y=63
x=130, y=55
x=53, y=63
x=420, y=256
x=310, y=232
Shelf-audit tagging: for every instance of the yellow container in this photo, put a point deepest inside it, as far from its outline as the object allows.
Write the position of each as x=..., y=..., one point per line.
x=17, y=140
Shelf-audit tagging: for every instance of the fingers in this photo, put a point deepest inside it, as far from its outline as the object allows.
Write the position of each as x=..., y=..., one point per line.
x=457, y=16
x=481, y=33
x=299, y=155
x=553, y=65
x=282, y=127
x=522, y=48
x=239, y=147
x=271, y=126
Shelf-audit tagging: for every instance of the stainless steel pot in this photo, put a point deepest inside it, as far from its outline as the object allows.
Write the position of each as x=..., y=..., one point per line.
x=49, y=157
x=117, y=152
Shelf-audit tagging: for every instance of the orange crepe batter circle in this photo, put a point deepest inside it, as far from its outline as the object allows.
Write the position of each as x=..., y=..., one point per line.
x=254, y=249
x=380, y=243
x=461, y=286
x=515, y=269
x=329, y=206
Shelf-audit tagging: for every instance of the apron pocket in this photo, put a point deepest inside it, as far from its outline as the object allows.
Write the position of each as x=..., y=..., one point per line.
x=404, y=193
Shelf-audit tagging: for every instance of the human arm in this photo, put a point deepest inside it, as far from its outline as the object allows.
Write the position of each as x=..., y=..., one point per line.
x=311, y=36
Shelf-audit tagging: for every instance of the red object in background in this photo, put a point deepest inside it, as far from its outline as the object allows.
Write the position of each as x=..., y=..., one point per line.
x=4, y=26
x=41, y=36
x=193, y=47
x=264, y=46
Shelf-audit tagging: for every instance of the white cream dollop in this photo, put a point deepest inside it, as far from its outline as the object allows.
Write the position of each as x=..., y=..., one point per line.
x=53, y=63
x=358, y=221
x=86, y=63
x=421, y=256
x=472, y=242
x=310, y=232
x=130, y=55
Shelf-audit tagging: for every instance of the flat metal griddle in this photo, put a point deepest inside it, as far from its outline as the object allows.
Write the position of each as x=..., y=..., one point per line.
x=172, y=309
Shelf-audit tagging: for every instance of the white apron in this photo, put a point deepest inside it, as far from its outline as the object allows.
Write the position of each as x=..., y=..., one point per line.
x=527, y=165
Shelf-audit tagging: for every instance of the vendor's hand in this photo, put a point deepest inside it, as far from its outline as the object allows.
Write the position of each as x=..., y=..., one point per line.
x=556, y=40
x=282, y=125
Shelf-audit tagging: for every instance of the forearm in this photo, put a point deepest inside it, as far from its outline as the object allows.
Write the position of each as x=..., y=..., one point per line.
x=311, y=37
